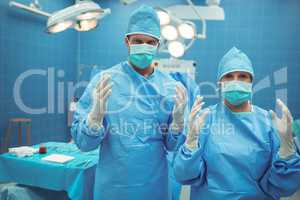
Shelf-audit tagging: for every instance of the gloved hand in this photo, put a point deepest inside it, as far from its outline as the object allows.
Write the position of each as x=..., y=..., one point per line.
x=177, y=124
x=284, y=128
x=195, y=123
x=101, y=92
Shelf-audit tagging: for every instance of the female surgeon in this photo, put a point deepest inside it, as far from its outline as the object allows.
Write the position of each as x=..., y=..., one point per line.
x=235, y=150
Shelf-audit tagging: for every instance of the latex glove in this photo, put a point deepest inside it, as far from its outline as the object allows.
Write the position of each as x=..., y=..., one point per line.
x=177, y=124
x=284, y=128
x=101, y=93
x=196, y=123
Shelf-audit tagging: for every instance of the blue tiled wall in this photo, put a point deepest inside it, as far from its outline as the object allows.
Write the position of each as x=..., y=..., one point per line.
x=24, y=45
x=267, y=30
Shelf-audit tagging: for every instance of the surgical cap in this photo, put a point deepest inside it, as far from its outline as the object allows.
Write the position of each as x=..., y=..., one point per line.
x=234, y=60
x=144, y=20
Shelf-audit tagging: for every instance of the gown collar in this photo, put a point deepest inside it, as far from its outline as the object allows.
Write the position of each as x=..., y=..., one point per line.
x=128, y=68
x=227, y=110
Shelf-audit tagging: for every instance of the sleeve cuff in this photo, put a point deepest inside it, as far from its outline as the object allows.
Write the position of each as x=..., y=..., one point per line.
x=174, y=135
x=289, y=157
x=94, y=130
x=189, y=152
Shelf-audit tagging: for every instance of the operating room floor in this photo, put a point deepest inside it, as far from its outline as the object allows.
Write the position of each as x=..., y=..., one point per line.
x=13, y=191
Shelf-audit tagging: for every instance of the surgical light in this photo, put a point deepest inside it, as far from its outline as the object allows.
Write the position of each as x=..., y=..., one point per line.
x=177, y=35
x=213, y=2
x=176, y=49
x=169, y=32
x=60, y=26
x=187, y=30
x=86, y=25
x=183, y=18
x=164, y=17
x=88, y=15
x=84, y=15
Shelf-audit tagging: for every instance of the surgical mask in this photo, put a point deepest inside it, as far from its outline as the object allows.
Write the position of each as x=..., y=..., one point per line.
x=141, y=55
x=237, y=92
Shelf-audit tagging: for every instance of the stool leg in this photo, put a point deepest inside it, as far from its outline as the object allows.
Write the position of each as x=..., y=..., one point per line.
x=19, y=133
x=7, y=137
x=28, y=128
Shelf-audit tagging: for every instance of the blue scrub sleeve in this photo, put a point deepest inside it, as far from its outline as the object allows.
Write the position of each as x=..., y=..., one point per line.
x=171, y=140
x=189, y=166
x=297, y=142
x=282, y=179
x=85, y=138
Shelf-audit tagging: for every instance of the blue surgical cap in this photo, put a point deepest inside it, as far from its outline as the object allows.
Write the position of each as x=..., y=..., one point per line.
x=234, y=60
x=144, y=20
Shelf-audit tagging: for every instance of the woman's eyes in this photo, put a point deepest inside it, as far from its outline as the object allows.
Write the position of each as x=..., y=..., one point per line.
x=228, y=76
x=153, y=43
x=138, y=42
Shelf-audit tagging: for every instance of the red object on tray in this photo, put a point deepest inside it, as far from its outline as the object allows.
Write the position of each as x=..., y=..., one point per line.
x=42, y=149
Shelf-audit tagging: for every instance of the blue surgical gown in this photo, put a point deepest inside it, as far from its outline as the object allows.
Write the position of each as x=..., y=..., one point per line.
x=237, y=159
x=132, y=157
x=192, y=91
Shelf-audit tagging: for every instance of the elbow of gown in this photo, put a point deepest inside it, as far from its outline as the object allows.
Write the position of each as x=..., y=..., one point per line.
x=85, y=138
x=189, y=167
x=173, y=141
x=283, y=178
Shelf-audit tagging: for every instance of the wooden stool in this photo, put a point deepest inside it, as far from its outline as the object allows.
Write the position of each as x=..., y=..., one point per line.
x=13, y=123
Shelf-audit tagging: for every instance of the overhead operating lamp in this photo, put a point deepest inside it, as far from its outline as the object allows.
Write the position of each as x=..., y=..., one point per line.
x=177, y=35
x=84, y=15
x=178, y=29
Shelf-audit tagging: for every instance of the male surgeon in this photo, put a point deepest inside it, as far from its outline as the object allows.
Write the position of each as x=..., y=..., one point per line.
x=135, y=113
